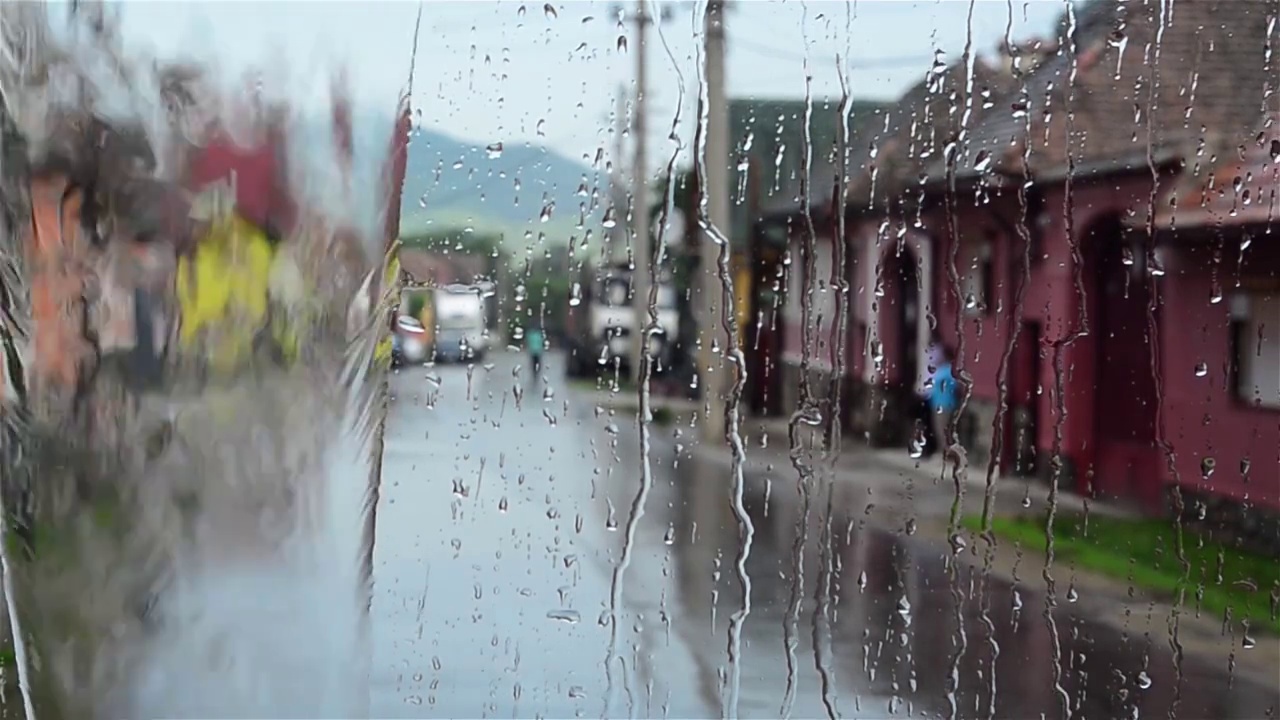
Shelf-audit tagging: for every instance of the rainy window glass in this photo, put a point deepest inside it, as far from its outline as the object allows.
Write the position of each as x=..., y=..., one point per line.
x=616, y=292
x=640, y=358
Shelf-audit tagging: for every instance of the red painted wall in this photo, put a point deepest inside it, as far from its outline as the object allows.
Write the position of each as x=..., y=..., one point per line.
x=262, y=191
x=1203, y=419
x=1051, y=298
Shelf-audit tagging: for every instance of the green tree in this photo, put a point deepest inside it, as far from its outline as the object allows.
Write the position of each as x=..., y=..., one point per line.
x=417, y=301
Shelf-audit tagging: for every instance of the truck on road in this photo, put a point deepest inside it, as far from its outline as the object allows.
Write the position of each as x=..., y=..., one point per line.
x=461, y=324
x=600, y=324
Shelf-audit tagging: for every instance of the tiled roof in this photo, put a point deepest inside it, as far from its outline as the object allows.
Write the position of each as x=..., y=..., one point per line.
x=1241, y=189
x=771, y=134
x=1210, y=78
x=914, y=132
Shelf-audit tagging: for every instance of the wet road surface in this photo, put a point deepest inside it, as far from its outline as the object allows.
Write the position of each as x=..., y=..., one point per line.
x=503, y=515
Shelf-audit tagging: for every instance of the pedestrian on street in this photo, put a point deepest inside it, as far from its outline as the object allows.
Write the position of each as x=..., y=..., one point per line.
x=943, y=398
x=535, y=343
x=921, y=411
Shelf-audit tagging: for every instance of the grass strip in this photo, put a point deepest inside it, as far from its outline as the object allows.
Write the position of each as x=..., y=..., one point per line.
x=1141, y=552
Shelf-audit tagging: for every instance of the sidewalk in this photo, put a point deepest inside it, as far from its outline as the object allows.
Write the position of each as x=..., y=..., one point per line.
x=920, y=493
x=767, y=442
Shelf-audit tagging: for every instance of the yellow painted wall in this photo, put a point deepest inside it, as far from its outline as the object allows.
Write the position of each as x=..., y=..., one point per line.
x=223, y=294
x=742, y=296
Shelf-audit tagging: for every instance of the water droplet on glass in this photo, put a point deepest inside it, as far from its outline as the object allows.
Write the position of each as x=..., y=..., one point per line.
x=494, y=150
x=1202, y=369
x=622, y=43
x=547, y=210
x=916, y=446
x=1072, y=595
x=502, y=504
x=1248, y=643
x=904, y=609
x=1207, y=466
x=983, y=162
x=565, y=615
x=1143, y=680
x=670, y=537
x=577, y=692
x=550, y=11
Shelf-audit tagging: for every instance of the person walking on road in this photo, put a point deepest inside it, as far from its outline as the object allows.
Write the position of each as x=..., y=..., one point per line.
x=943, y=398
x=922, y=408
x=535, y=343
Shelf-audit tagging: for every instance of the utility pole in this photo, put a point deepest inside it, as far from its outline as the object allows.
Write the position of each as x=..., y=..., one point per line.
x=641, y=251
x=714, y=340
x=618, y=194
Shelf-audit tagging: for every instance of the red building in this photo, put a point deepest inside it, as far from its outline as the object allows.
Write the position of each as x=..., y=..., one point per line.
x=1069, y=304
x=882, y=268
x=1095, y=351
x=1221, y=359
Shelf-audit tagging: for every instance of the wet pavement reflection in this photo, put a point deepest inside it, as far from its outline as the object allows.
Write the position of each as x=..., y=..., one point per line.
x=503, y=516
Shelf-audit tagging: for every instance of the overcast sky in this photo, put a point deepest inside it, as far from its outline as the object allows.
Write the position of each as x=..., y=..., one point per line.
x=508, y=71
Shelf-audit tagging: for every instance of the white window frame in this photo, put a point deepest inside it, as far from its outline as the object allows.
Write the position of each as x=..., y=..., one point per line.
x=1258, y=379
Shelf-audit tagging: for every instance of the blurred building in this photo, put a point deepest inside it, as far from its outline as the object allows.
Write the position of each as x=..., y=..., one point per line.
x=1095, y=248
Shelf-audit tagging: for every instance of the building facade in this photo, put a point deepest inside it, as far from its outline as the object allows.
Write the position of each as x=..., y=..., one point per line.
x=1103, y=340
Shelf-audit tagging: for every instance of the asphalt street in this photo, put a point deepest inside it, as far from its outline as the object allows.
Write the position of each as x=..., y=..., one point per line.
x=503, y=522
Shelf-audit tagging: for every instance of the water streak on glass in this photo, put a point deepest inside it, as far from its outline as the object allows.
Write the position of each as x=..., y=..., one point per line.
x=807, y=414
x=713, y=21
x=1059, y=348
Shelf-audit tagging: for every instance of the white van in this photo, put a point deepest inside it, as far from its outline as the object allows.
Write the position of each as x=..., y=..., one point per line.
x=461, y=334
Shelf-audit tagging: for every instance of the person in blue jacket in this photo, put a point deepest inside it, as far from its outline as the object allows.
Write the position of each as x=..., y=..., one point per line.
x=943, y=399
x=535, y=343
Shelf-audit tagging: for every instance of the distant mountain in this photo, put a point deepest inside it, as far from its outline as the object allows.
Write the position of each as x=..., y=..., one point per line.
x=506, y=188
